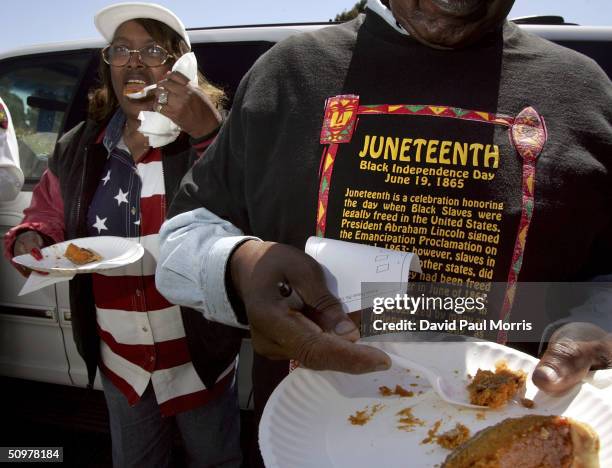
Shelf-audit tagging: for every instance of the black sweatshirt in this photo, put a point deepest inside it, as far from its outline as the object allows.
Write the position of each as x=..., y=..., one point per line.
x=262, y=172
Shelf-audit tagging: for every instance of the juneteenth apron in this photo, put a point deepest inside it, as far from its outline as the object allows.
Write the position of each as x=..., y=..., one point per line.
x=454, y=185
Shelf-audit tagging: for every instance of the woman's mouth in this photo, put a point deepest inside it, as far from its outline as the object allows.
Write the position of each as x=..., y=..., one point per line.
x=133, y=86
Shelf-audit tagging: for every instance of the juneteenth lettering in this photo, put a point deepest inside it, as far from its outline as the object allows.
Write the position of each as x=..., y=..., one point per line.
x=455, y=161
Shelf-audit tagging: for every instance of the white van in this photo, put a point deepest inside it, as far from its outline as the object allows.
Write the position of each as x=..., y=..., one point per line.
x=46, y=91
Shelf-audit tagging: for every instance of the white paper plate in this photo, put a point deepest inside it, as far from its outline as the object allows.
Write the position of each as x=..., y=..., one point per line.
x=305, y=423
x=115, y=251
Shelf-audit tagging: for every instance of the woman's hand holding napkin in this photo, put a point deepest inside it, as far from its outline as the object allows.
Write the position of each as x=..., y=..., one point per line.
x=180, y=105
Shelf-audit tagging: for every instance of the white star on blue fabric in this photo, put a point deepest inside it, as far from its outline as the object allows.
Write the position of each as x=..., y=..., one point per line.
x=121, y=197
x=137, y=223
x=100, y=224
x=106, y=178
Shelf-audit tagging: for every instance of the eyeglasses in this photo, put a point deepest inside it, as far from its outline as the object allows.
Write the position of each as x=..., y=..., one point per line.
x=150, y=55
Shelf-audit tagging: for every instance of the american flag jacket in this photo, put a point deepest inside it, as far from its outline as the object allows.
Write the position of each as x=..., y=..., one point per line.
x=59, y=211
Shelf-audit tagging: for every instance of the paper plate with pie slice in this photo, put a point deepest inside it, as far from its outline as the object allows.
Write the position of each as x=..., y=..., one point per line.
x=84, y=255
x=393, y=418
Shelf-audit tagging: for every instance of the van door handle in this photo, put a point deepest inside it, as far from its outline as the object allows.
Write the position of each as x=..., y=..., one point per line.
x=48, y=314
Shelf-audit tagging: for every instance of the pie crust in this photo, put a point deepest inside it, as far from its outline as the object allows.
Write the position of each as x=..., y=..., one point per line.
x=532, y=441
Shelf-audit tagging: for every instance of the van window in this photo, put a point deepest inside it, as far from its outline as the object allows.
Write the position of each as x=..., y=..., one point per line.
x=225, y=63
x=38, y=90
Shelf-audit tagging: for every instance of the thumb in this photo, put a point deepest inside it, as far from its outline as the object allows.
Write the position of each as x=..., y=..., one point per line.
x=321, y=305
x=564, y=364
x=326, y=311
x=329, y=352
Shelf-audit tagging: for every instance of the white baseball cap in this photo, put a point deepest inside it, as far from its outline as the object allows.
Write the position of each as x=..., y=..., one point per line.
x=108, y=19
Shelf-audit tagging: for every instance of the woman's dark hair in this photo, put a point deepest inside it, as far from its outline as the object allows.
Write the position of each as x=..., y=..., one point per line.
x=102, y=100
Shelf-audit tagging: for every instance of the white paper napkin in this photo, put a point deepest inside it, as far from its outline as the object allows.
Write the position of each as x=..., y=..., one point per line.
x=37, y=281
x=158, y=128
x=601, y=379
x=357, y=273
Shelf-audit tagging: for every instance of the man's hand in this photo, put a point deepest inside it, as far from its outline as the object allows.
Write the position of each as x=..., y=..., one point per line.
x=574, y=350
x=187, y=106
x=320, y=337
x=24, y=244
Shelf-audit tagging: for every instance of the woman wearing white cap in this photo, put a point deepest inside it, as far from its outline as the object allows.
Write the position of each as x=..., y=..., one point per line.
x=161, y=368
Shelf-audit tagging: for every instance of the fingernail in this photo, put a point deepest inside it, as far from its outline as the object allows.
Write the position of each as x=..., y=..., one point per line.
x=344, y=327
x=549, y=373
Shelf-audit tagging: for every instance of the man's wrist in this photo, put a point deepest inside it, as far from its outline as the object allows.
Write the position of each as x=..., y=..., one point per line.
x=236, y=266
x=234, y=293
x=217, y=297
x=234, y=299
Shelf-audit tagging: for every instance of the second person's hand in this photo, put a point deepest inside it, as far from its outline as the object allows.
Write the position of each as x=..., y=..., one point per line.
x=575, y=349
x=320, y=337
